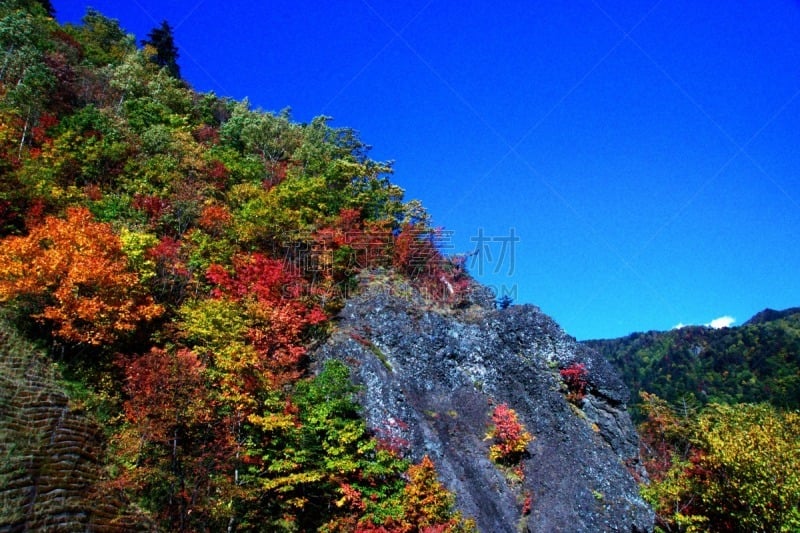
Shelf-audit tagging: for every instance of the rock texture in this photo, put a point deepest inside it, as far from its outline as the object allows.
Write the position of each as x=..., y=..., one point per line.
x=50, y=454
x=431, y=378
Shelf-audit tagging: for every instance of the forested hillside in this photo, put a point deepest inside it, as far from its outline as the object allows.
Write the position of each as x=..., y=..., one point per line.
x=176, y=254
x=756, y=362
x=719, y=421
x=190, y=287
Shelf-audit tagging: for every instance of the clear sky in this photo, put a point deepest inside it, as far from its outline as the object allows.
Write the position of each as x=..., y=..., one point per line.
x=624, y=165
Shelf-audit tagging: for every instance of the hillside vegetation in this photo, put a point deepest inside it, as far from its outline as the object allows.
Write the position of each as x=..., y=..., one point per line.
x=756, y=362
x=177, y=254
x=719, y=421
x=171, y=260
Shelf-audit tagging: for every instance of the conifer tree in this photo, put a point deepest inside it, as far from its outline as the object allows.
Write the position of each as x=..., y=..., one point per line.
x=48, y=7
x=166, y=53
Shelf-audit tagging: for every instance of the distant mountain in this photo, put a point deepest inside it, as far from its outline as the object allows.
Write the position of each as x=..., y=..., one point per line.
x=756, y=362
x=768, y=315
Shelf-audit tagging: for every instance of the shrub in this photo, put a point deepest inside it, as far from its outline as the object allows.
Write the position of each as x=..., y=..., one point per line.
x=509, y=436
x=575, y=378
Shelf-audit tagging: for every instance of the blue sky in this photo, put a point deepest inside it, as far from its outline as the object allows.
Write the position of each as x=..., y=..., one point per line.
x=624, y=165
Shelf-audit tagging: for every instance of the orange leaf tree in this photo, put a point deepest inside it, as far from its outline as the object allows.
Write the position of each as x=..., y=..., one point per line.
x=74, y=275
x=428, y=503
x=426, y=507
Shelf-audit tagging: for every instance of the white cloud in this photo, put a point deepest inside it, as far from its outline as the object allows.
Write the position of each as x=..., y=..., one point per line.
x=721, y=322
x=725, y=321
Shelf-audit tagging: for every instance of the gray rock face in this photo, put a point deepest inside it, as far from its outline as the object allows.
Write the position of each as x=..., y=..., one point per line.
x=431, y=379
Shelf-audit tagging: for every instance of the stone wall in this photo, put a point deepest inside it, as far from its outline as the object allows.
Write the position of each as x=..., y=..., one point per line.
x=50, y=454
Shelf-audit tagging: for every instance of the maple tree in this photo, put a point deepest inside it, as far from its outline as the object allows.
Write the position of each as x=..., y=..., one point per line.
x=344, y=248
x=73, y=274
x=664, y=436
x=164, y=389
x=214, y=219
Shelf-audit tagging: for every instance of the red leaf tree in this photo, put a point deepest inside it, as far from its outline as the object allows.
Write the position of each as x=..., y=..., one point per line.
x=173, y=444
x=416, y=255
x=509, y=436
x=275, y=297
x=575, y=378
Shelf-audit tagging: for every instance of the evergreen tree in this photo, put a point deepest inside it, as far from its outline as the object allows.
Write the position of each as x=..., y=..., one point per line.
x=166, y=53
x=504, y=302
x=48, y=7
x=31, y=6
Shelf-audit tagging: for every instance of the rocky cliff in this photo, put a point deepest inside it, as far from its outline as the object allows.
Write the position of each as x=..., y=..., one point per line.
x=431, y=378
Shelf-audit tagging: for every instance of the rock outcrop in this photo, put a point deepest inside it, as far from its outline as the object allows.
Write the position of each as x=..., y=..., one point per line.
x=431, y=378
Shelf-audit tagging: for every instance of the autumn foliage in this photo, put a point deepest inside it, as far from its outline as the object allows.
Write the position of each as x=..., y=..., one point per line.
x=509, y=436
x=574, y=377
x=428, y=503
x=73, y=274
x=273, y=295
x=165, y=390
x=169, y=433
x=187, y=251
x=427, y=506
x=442, y=278
x=725, y=468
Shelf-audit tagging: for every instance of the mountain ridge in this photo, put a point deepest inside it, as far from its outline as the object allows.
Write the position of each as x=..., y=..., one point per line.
x=756, y=361
x=769, y=315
